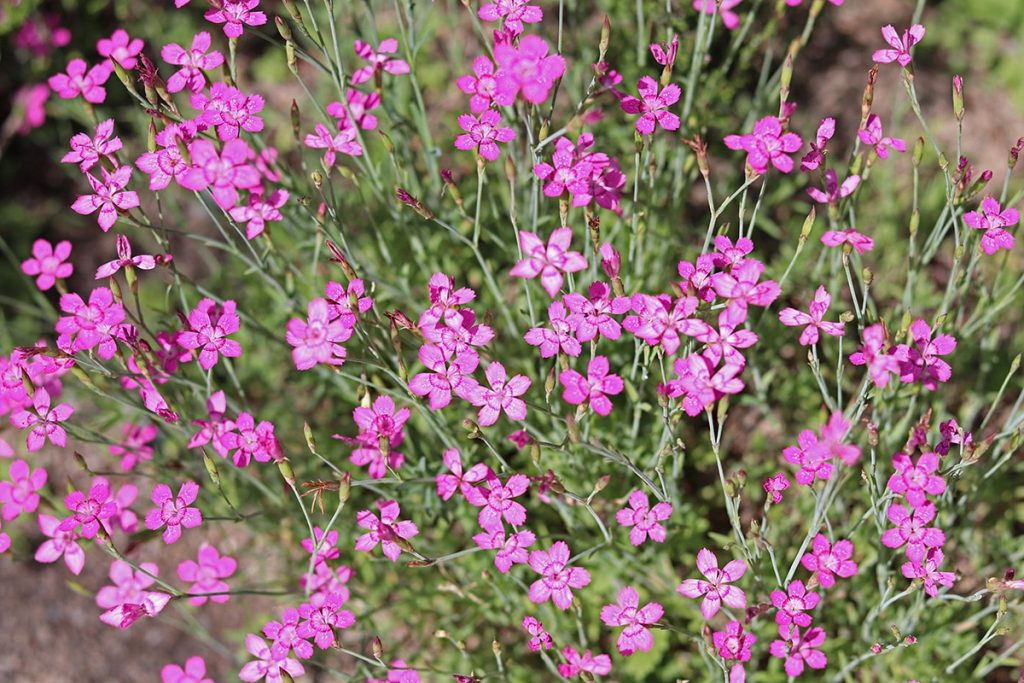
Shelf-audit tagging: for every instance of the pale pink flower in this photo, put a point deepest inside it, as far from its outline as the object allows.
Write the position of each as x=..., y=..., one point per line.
x=767, y=145
x=207, y=574
x=19, y=494
x=828, y=561
x=49, y=263
x=166, y=161
x=82, y=80
x=653, y=106
x=43, y=421
x=503, y=395
x=174, y=512
x=380, y=60
x=644, y=519
x=715, y=588
x=872, y=135
x=194, y=671
x=235, y=14
x=527, y=69
x=900, y=46
x=208, y=331
x=993, y=220
x=558, y=579
x=593, y=389
x=121, y=48
x=551, y=262
x=59, y=544
x=635, y=636
x=193, y=62
x=831, y=445
x=483, y=132
x=108, y=197
x=387, y=530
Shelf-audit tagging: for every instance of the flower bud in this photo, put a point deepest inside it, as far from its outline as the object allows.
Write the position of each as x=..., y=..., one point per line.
x=344, y=488
x=290, y=58
x=286, y=471
x=606, y=38
x=211, y=469
x=377, y=647
x=958, y=97
x=918, y=152
x=869, y=96
x=1015, y=152
x=283, y=28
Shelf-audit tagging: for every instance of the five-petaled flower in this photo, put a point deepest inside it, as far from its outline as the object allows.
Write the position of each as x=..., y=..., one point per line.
x=635, y=636
x=594, y=389
x=321, y=616
x=829, y=561
x=88, y=151
x=451, y=373
x=108, y=196
x=483, y=133
x=916, y=481
x=551, y=261
x=43, y=421
x=527, y=69
x=174, y=512
x=391, y=533
x=235, y=14
x=798, y=649
x=899, y=51
x=19, y=495
x=82, y=80
x=49, y=263
x=503, y=395
x=871, y=134
x=342, y=142
x=208, y=331
x=767, y=145
x=59, y=543
x=558, y=579
x=193, y=62
x=994, y=220
x=89, y=511
x=194, y=671
x=496, y=503
x=380, y=60
x=206, y=574
x=652, y=106
x=716, y=588
x=794, y=604
x=317, y=339
x=912, y=530
x=267, y=665
x=644, y=519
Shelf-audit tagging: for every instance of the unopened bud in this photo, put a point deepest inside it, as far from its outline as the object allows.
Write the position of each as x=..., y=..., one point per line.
x=602, y=483
x=918, y=153
x=290, y=58
x=283, y=28
x=958, y=97
x=286, y=471
x=606, y=38
x=805, y=231
x=296, y=121
x=377, y=647
x=211, y=469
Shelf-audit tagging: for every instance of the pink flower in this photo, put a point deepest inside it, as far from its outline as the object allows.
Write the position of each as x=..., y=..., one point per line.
x=347, y=303
x=665, y=54
x=653, y=106
x=194, y=671
x=872, y=135
x=30, y=107
x=829, y=561
x=44, y=421
x=716, y=590
x=921, y=362
x=19, y=494
x=321, y=616
x=207, y=574
x=900, y=52
x=448, y=484
x=928, y=571
x=526, y=69
x=592, y=314
x=722, y=8
x=250, y=441
x=514, y=13
x=799, y=649
x=814, y=158
x=774, y=486
x=260, y=210
x=480, y=85
x=915, y=482
x=126, y=260
x=326, y=580
x=811, y=460
x=223, y=173
x=539, y=637
x=323, y=547
x=767, y=145
x=120, y=48
x=235, y=14
x=724, y=343
x=496, y=501
x=390, y=532
x=87, y=152
x=701, y=384
x=645, y=520
x=48, y=263
x=59, y=544
x=212, y=429
x=833, y=190
x=89, y=511
x=993, y=220
x=446, y=302
x=881, y=365
x=511, y=549
x=558, y=338
x=483, y=132
x=166, y=162
x=452, y=373
x=558, y=579
x=129, y=586
x=82, y=80
x=380, y=60
x=859, y=242
x=660, y=321
x=134, y=445
x=733, y=643
x=343, y=142
x=266, y=665
x=285, y=634
x=572, y=169
x=108, y=197
x=599, y=665
x=831, y=445
x=193, y=62
x=174, y=512
x=794, y=604
x=124, y=517
x=912, y=531
x=317, y=339
x=123, y=616
x=229, y=110
x=501, y=396
x=635, y=637
x=593, y=389
x=360, y=105
x=741, y=285
x=208, y=331
x=551, y=262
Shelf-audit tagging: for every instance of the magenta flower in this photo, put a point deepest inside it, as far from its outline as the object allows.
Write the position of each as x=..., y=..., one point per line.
x=88, y=151
x=481, y=85
x=912, y=530
x=323, y=547
x=653, y=106
x=881, y=365
x=814, y=158
x=812, y=461
x=235, y=14
x=511, y=549
x=458, y=480
x=120, y=48
x=59, y=544
x=223, y=173
x=859, y=242
x=166, y=162
x=44, y=421
x=592, y=315
x=390, y=532
x=134, y=445
x=503, y=395
x=833, y=190
x=129, y=586
x=446, y=302
x=512, y=13
x=644, y=519
x=539, y=638
x=725, y=342
x=260, y=210
x=767, y=145
x=126, y=260
x=194, y=671
x=558, y=338
x=665, y=54
x=381, y=421
x=558, y=579
x=799, y=649
x=716, y=589
x=831, y=446
x=30, y=107
x=172, y=512
x=732, y=643
x=593, y=389
x=89, y=511
x=251, y=441
x=993, y=220
x=360, y=105
x=343, y=142
x=571, y=169
x=483, y=132
x=576, y=663
x=193, y=62
x=82, y=80
x=452, y=373
x=212, y=429
x=723, y=8
x=321, y=616
x=496, y=501
x=635, y=636
x=551, y=262
x=266, y=665
x=527, y=69
x=702, y=384
x=209, y=330
x=285, y=634
x=207, y=574
x=108, y=197
x=900, y=50
x=124, y=615
x=229, y=110
x=19, y=494
x=916, y=482
x=325, y=580
x=928, y=571
x=829, y=561
x=794, y=604
x=872, y=135
x=741, y=286
x=318, y=339
x=48, y=263
x=380, y=60
x=774, y=486
x=921, y=362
